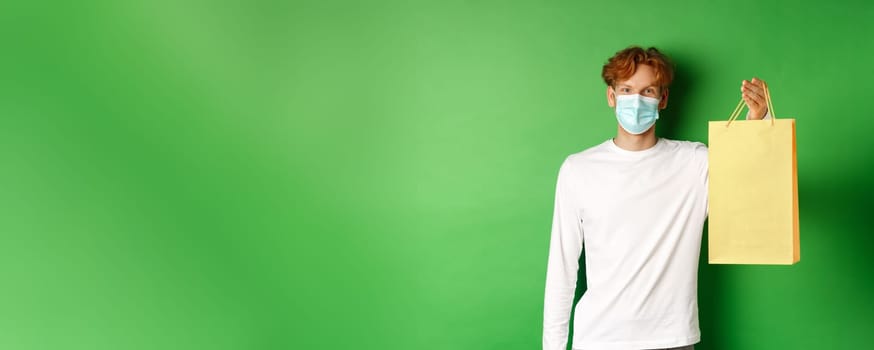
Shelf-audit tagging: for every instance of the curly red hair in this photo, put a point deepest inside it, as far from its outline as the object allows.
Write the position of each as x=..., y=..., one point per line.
x=624, y=63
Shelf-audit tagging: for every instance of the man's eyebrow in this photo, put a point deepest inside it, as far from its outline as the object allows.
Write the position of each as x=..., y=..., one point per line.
x=653, y=85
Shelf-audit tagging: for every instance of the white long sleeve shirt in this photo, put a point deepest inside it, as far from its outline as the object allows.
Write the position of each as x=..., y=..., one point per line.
x=639, y=215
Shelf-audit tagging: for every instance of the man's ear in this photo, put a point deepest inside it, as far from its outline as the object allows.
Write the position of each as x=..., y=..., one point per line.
x=664, y=102
x=611, y=97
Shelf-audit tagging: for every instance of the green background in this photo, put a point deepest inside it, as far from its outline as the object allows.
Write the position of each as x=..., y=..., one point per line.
x=380, y=175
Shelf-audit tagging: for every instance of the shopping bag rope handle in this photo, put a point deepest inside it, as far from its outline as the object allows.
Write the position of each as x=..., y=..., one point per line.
x=741, y=104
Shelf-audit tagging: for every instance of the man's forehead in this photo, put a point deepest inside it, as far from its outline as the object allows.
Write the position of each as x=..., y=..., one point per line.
x=644, y=76
x=638, y=83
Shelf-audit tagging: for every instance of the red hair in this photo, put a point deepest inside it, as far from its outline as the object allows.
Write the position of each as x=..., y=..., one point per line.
x=624, y=63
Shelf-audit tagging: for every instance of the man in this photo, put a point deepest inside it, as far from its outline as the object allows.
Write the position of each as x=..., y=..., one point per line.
x=637, y=204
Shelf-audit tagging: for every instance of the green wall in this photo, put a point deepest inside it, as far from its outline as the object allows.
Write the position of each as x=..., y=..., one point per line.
x=380, y=175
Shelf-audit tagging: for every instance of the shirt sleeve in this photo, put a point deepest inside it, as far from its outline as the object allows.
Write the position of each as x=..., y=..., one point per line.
x=704, y=154
x=565, y=246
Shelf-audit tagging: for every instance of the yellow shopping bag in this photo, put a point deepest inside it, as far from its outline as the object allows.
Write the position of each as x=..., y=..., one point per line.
x=753, y=184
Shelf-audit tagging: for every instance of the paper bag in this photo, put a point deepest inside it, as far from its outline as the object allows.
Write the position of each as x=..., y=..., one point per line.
x=753, y=191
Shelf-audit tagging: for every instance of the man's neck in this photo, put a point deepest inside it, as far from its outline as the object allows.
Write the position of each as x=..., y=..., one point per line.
x=631, y=142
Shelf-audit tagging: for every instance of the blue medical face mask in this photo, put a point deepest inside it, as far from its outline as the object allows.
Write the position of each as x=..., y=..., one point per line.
x=636, y=113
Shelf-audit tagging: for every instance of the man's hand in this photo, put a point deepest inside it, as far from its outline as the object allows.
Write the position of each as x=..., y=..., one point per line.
x=753, y=92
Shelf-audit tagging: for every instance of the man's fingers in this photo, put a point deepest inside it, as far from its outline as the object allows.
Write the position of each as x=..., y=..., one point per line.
x=758, y=82
x=753, y=103
x=755, y=86
x=758, y=96
x=753, y=93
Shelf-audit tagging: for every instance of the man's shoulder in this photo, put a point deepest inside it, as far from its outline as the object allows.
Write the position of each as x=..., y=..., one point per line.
x=683, y=144
x=693, y=151
x=698, y=148
x=587, y=155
